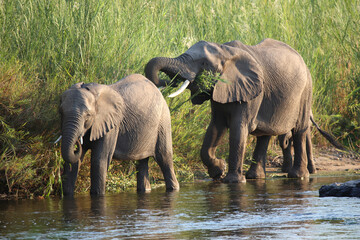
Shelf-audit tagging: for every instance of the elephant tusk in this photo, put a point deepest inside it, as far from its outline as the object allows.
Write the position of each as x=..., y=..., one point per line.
x=57, y=140
x=81, y=140
x=180, y=90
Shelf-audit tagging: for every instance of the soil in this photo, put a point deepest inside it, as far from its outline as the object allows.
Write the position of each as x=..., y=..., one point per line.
x=327, y=160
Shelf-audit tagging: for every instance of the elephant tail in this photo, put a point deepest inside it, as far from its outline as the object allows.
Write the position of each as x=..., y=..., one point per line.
x=328, y=136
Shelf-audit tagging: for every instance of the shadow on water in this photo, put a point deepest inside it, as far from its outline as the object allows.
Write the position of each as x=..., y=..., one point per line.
x=272, y=208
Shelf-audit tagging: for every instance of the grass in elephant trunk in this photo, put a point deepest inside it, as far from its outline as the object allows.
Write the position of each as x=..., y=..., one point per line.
x=206, y=81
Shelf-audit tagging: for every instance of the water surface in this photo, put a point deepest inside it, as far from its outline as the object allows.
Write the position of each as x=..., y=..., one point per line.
x=262, y=209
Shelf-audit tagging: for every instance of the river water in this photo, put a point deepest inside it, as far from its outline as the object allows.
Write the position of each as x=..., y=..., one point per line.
x=262, y=209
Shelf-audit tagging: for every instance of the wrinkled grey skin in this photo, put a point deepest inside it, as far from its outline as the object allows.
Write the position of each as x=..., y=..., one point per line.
x=267, y=92
x=128, y=120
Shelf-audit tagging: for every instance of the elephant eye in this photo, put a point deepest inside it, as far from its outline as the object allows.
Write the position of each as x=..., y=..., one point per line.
x=87, y=118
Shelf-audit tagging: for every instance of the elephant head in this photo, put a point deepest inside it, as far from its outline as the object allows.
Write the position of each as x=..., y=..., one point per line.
x=87, y=108
x=240, y=74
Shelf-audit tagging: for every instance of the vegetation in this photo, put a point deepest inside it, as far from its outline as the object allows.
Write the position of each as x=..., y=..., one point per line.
x=46, y=46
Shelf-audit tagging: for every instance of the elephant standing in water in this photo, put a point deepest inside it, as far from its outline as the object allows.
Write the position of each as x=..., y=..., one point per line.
x=257, y=170
x=127, y=120
x=285, y=142
x=263, y=90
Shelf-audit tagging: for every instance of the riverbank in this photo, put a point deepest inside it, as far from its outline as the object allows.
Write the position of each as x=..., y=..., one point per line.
x=328, y=161
x=47, y=46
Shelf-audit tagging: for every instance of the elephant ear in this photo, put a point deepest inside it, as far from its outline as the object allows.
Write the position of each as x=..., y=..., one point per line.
x=109, y=107
x=77, y=85
x=243, y=80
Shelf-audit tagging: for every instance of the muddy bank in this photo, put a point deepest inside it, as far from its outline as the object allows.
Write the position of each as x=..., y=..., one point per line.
x=328, y=161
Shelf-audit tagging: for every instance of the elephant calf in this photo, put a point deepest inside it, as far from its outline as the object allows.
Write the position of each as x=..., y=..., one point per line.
x=127, y=120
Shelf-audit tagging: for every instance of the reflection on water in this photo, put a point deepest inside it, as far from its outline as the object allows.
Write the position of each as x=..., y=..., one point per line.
x=273, y=208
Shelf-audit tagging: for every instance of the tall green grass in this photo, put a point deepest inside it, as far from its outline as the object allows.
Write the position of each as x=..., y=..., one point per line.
x=46, y=46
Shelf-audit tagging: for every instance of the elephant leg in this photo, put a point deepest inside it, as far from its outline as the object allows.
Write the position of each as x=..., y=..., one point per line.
x=142, y=175
x=164, y=160
x=238, y=137
x=98, y=174
x=69, y=178
x=299, y=169
x=216, y=167
x=285, y=142
x=257, y=168
x=311, y=164
x=101, y=155
x=164, y=157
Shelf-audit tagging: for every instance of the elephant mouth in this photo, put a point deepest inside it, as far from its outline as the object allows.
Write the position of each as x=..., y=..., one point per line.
x=201, y=87
x=206, y=80
x=77, y=146
x=202, y=84
x=71, y=150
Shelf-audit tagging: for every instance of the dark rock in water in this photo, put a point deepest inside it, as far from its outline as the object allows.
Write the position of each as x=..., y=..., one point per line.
x=347, y=189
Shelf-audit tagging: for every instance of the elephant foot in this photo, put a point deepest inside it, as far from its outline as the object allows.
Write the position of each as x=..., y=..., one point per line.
x=173, y=187
x=217, y=171
x=256, y=171
x=286, y=168
x=234, y=178
x=146, y=188
x=172, y=184
x=67, y=193
x=311, y=169
x=298, y=173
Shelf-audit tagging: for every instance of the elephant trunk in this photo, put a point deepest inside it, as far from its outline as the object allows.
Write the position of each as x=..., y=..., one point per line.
x=71, y=148
x=173, y=67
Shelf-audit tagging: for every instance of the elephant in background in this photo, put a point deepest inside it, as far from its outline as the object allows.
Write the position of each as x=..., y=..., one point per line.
x=285, y=142
x=257, y=169
x=264, y=90
x=127, y=120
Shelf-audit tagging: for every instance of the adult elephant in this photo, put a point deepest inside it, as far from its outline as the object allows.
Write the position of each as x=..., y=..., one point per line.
x=264, y=90
x=127, y=120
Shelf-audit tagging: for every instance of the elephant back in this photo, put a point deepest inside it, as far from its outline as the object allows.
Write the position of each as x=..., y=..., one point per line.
x=141, y=98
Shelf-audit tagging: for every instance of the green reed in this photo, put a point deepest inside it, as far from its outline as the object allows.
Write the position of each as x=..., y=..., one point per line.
x=46, y=46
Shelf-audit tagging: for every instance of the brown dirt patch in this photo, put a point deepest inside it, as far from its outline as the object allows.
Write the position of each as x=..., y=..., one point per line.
x=330, y=159
x=327, y=159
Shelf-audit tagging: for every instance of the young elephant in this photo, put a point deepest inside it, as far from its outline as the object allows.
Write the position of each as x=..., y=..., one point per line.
x=127, y=120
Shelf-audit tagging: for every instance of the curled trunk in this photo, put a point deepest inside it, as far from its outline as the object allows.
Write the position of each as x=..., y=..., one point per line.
x=173, y=67
x=71, y=149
